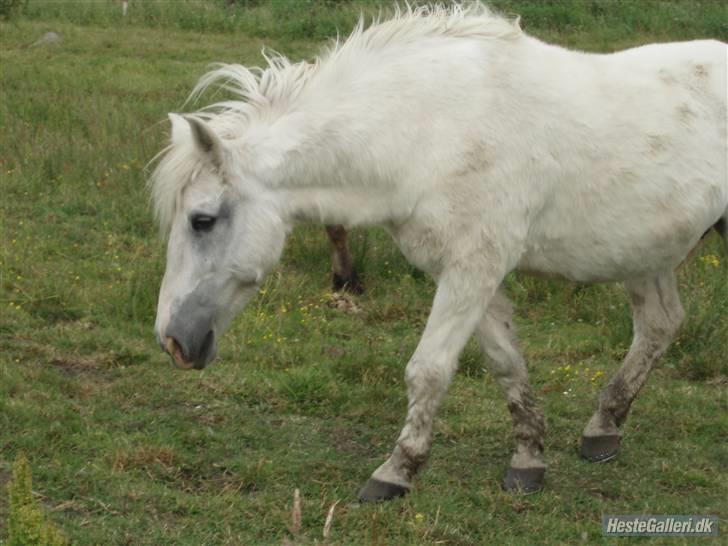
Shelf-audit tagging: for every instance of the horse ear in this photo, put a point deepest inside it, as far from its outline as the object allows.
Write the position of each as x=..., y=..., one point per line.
x=206, y=140
x=180, y=128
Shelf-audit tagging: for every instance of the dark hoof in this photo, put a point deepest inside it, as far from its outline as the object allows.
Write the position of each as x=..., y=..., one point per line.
x=376, y=490
x=350, y=284
x=524, y=480
x=600, y=449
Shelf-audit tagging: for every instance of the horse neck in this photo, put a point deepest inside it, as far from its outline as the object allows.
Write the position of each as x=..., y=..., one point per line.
x=322, y=178
x=347, y=205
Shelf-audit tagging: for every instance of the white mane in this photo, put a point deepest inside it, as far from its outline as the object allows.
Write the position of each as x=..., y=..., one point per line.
x=271, y=91
x=281, y=81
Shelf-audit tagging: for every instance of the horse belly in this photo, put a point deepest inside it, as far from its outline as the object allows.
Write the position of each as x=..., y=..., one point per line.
x=594, y=261
x=611, y=245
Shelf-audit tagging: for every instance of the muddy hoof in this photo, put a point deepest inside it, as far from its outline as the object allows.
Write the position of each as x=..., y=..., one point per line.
x=524, y=480
x=600, y=449
x=376, y=490
x=350, y=284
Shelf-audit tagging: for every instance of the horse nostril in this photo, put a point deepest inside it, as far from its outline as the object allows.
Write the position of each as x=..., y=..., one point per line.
x=205, y=350
x=175, y=350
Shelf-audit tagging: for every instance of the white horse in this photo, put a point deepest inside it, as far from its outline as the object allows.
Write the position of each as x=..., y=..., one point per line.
x=482, y=150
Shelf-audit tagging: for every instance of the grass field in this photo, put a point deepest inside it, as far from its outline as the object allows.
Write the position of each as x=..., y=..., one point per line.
x=125, y=449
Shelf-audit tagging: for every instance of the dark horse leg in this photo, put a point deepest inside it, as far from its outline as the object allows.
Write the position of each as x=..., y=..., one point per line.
x=345, y=277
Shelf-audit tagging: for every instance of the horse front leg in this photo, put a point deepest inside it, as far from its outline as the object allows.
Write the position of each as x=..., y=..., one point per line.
x=458, y=306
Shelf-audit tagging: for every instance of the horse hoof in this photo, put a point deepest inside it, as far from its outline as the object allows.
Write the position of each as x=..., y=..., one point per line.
x=600, y=449
x=376, y=490
x=350, y=284
x=524, y=480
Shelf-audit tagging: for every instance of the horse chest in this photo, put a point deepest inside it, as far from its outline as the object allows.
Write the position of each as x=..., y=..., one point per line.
x=422, y=245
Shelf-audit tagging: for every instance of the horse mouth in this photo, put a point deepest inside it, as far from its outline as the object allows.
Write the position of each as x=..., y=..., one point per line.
x=175, y=351
x=186, y=360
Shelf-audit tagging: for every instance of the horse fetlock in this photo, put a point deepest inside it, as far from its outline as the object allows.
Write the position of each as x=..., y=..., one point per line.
x=347, y=283
x=395, y=471
x=409, y=456
x=615, y=402
x=601, y=424
x=528, y=458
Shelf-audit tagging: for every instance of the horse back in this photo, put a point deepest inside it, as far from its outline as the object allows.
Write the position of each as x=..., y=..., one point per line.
x=636, y=169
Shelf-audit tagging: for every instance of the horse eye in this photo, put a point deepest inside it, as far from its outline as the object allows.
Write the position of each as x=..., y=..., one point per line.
x=203, y=223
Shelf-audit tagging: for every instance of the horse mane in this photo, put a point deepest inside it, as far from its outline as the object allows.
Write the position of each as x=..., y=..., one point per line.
x=259, y=92
x=257, y=89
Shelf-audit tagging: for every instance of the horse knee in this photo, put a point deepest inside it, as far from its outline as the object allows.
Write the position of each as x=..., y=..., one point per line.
x=426, y=376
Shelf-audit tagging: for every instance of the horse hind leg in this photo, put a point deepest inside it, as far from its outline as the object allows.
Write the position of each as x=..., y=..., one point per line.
x=344, y=274
x=657, y=315
x=497, y=338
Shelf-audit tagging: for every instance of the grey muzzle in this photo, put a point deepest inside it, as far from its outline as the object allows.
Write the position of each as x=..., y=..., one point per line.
x=190, y=335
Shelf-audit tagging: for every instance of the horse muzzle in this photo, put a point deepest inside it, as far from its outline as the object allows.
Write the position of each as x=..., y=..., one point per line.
x=186, y=359
x=189, y=336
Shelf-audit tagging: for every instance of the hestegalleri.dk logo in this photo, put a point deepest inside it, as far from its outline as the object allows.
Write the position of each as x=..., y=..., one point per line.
x=666, y=526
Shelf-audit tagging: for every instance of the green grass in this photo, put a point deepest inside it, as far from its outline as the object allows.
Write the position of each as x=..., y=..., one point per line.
x=590, y=24
x=126, y=450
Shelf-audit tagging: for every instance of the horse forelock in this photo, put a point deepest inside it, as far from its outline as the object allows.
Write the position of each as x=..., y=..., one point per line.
x=175, y=169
